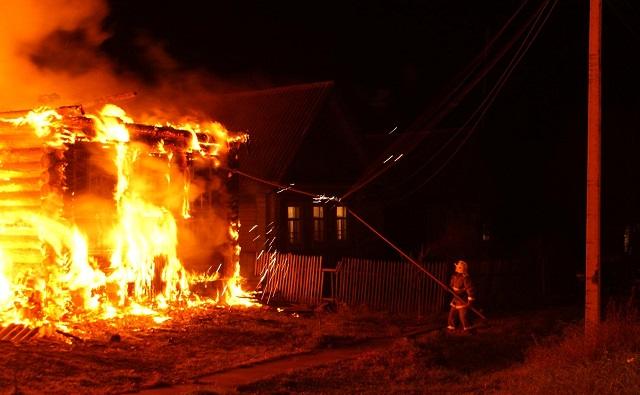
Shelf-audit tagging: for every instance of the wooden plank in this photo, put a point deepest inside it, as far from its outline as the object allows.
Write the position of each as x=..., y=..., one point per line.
x=338, y=281
x=350, y=287
x=388, y=292
x=291, y=277
x=331, y=278
x=388, y=272
x=368, y=265
x=353, y=286
x=319, y=278
x=305, y=278
x=404, y=282
x=351, y=291
x=366, y=286
x=378, y=290
x=343, y=280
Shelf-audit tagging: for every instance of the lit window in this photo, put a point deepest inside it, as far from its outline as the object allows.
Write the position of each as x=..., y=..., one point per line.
x=294, y=226
x=318, y=223
x=341, y=223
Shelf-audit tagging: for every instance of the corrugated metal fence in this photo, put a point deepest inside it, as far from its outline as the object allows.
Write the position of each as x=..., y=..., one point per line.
x=395, y=286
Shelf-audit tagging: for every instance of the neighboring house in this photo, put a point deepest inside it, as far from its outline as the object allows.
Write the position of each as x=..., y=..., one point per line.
x=299, y=136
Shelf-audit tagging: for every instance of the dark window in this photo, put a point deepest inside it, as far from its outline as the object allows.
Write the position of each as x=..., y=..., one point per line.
x=486, y=232
x=341, y=223
x=318, y=223
x=294, y=224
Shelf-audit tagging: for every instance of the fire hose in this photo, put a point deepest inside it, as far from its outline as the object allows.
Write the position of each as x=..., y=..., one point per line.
x=416, y=264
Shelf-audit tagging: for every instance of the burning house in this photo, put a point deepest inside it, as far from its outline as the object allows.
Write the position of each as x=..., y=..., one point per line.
x=102, y=216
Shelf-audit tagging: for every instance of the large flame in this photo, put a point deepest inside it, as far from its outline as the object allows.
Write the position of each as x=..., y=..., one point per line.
x=47, y=272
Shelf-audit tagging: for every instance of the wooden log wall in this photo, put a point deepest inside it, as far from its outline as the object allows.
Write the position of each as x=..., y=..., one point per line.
x=24, y=185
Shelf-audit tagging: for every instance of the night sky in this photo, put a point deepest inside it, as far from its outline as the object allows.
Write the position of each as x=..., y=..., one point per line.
x=524, y=164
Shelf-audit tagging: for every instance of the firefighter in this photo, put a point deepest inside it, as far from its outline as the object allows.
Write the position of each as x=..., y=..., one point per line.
x=462, y=286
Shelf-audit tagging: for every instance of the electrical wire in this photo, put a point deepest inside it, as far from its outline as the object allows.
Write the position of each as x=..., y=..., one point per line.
x=484, y=106
x=451, y=100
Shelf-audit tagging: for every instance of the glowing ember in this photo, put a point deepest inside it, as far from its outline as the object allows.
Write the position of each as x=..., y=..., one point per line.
x=54, y=270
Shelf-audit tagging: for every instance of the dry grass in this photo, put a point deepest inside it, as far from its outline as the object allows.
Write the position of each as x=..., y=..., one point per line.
x=541, y=352
x=573, y=364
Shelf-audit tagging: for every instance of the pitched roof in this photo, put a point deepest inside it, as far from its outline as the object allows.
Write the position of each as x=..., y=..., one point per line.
x=276, y=120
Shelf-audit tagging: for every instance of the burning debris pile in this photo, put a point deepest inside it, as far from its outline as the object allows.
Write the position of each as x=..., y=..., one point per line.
x=103, y=217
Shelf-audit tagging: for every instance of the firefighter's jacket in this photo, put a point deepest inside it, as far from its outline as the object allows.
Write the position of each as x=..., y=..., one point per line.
x=462, y=286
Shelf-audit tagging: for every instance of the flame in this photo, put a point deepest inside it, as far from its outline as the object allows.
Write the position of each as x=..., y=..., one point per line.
x=110, y=124
x=45, y=124
x=221, y=138
x=48, y=272
x=235, y=294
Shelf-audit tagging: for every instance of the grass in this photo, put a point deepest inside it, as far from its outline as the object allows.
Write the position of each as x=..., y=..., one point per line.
x=542, y=352
x=573, y=364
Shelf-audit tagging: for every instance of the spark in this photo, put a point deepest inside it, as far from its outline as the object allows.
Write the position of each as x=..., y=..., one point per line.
x=253, y=227
x=399, y=156
x=324, y=198
x=388, y=159
x=393, y=130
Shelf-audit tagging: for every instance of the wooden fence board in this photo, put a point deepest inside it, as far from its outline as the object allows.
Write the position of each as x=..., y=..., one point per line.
x=396, y=286
x=390, y=285
x=291, y=278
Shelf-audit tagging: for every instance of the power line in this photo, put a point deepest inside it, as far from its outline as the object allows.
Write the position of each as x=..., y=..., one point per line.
x=623, y=15
x=455, y=96
x=489, y=99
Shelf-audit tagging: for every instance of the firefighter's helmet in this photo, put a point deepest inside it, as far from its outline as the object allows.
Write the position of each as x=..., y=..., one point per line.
x=461, y=266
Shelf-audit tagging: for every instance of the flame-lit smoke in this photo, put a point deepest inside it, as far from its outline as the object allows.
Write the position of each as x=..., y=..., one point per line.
x=49, y=54
x=52, y=53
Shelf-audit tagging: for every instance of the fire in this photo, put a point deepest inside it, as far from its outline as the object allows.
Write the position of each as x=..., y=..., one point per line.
x=54, y=270
x=235, y=294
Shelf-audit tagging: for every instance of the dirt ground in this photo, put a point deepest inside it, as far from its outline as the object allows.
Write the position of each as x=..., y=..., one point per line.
x=129, y=355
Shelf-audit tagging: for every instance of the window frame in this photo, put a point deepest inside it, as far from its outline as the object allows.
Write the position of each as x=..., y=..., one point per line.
x=341, y=223
x=294, y=224
x=318, y=223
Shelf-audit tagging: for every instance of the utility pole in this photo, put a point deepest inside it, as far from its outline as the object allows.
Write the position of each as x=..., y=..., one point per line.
x=594, y=123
